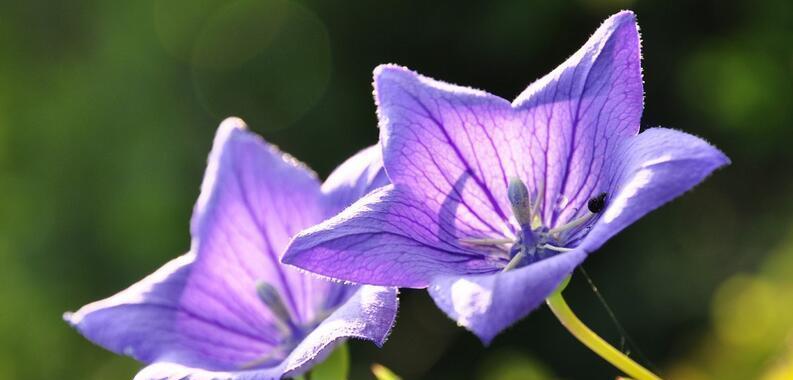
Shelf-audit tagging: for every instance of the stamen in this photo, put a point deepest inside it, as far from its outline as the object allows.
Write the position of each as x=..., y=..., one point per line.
x=555, y=248
x=516, y=259
x=595, y=205
x=487, y=241
x=572, y=224
x=518, y=196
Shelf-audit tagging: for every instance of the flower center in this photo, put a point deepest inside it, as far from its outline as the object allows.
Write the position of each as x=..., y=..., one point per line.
x=291, y=332
x=535, y=241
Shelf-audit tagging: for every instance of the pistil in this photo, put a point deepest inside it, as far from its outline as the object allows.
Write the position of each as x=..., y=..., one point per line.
x=270, y=296
x=518, y=195
x=522, y=208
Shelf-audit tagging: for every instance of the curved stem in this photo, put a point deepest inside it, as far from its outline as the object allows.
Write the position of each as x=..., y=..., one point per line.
x=595, y=343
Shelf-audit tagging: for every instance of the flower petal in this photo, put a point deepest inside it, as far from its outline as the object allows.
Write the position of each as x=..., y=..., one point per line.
x=388, y=238
x=578, y=113
x=441, y=140
x=487, y=304
x=253, y=200
x=146, y=321
x=354, y=178
x=655, y=167
x=368, y=314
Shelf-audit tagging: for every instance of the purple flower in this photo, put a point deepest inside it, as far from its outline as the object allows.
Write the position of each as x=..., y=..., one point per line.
x=494, y=203
x=229, y=309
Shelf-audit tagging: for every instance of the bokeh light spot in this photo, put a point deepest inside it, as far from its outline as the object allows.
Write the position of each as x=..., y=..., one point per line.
x=734, y=87
x=744, y=310
x=510, y=364
x=265, y=61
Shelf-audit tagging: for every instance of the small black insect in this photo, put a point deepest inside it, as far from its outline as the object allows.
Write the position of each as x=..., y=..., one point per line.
x=597, y=203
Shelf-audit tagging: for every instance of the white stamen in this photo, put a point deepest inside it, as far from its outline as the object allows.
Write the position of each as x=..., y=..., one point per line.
x=572, y=224
x=555, y=248
x=487, y=241
x=516, y=260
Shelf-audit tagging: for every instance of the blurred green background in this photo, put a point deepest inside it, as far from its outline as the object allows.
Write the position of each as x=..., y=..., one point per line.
x=107, y=112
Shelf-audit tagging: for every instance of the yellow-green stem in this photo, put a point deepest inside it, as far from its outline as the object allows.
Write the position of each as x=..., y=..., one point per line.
x=593, y=341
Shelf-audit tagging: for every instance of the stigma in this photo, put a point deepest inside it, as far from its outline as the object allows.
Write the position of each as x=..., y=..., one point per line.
x=271, y=297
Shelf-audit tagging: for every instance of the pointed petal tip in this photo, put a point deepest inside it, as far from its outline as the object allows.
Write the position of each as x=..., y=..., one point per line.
x=620, y=18
x=233, y=122
x=485, y=339
x=389, y=72
x=75, y=318
x=69, y=318
x=626, y=14
x=720, y=158
x=392, y=81
x=390, y=68
x=288, y=256
x=227, y=129
x=295, y=249
x=625, y=18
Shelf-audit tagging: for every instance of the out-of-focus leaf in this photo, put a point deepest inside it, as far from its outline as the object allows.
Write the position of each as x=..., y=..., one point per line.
x=382, y=373
x=335, y=367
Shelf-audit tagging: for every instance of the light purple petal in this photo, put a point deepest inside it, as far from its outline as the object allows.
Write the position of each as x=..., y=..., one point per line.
x=577, y=114
x=389, y=238
x=356, y=177
x=654, y=167
x=487, y=304
x=253, y=200
x=368, y=314
x=146, y=321
x=202, y=310
x=441, y=140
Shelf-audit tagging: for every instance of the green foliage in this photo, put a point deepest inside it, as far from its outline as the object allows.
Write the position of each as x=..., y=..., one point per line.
x=381, y=372
x=512, y=364
x=752, y=325
x=335, y=367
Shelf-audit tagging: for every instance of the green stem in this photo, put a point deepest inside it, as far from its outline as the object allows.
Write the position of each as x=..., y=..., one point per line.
x=593, y=341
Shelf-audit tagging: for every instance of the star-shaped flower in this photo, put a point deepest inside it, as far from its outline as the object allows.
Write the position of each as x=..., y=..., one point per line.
x=492, y=203
x=229, y=309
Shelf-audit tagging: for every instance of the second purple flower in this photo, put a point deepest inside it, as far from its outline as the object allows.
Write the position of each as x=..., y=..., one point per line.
x=493, y=203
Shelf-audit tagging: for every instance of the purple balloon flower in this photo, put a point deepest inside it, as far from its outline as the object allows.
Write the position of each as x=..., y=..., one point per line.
x=494, y=203
x=229, y=309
